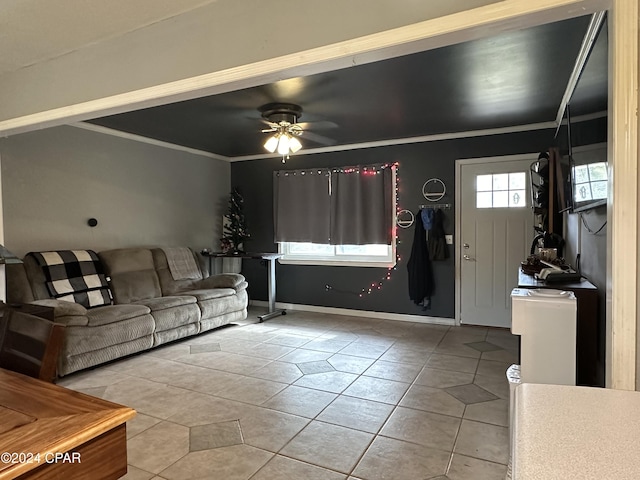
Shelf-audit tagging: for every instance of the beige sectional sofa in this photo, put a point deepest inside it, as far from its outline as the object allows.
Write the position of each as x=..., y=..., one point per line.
x=150, y=307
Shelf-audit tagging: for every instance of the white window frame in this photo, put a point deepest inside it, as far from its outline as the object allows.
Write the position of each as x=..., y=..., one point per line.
x=525, y=203
x=335, y=260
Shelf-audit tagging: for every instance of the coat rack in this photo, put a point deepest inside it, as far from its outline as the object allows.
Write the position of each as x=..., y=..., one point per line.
x=442, y=206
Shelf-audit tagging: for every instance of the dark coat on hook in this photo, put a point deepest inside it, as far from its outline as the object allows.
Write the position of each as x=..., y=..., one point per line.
x=419, y=267
x=437, y=243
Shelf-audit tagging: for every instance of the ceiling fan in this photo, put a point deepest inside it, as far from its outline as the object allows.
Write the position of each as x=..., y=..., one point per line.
x=282, y=119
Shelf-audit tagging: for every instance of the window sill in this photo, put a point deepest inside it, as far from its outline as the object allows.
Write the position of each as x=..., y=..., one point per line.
x=336, y=263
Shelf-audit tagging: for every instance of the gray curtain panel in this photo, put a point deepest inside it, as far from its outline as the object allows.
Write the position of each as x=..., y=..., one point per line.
x=301, y=205
x=362, y=206
x=341, y=206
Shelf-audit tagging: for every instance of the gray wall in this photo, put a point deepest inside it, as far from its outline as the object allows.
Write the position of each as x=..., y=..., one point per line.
x=54, y=180
x=418, y=163
x=592, y=248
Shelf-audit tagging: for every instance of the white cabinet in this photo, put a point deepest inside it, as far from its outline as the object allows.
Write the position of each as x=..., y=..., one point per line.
x=545, y=319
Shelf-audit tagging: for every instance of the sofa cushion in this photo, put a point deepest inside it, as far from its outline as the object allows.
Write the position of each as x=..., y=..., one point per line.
x=162, y=303
x=173, y=334
x=66, y=313
x=72, y=363
x=133, y=276
x=220, y=306
x=223, y=280
x=37, y=281
x=168, y=285
x=75, y=276
x=173, y=311
x=210, y=293
x=86, y=339
x=176, y=317
x=18, y=286
x=115, y=313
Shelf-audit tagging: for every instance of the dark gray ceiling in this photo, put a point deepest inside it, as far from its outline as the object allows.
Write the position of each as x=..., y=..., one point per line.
x=590, y=94
x=514, y=78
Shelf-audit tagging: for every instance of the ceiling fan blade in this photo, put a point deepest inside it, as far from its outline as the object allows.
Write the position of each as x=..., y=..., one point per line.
x=320, y=125
x=267, y=122
x=314, y=137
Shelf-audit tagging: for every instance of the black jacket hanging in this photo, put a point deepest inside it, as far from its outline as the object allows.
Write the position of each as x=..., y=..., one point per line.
x=419, y=267
x=437, y=244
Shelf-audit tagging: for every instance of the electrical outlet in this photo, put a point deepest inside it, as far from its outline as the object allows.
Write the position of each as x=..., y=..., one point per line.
x=449, y=239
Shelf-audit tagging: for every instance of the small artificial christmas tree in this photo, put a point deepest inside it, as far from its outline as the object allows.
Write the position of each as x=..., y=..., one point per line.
x=235, y=228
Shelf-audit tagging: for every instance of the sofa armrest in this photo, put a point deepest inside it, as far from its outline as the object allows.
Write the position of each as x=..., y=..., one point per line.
x=224, y=280
x=66, y=313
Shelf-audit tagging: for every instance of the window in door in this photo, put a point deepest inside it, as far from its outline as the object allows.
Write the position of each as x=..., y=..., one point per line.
x=501, y=190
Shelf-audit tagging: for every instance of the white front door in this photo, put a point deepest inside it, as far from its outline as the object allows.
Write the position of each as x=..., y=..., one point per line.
x=496, y=230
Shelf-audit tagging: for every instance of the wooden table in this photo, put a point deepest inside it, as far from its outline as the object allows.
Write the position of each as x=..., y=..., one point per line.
x=41, y=422
x=271, y=262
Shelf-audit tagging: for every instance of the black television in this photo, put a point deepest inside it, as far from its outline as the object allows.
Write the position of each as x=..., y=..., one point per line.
x=586, y=130
x=589, y=176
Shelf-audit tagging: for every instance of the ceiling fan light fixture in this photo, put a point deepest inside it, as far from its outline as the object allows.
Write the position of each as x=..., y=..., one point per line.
x=294, y=144
x=283, y=144
x=271, y=144
x=282, y=118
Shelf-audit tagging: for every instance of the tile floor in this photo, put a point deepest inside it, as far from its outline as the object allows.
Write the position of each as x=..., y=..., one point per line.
x=316, y=397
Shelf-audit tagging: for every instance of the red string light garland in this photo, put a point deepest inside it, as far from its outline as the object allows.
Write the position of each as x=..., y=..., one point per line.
x=375, y=285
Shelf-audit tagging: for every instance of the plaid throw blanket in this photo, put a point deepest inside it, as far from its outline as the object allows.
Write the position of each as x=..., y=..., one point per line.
x=75, y=276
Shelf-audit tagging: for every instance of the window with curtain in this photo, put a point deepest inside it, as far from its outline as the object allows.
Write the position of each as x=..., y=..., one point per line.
x=336, y=216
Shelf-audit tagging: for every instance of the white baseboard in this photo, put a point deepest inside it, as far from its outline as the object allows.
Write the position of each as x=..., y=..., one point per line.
x=358, y=313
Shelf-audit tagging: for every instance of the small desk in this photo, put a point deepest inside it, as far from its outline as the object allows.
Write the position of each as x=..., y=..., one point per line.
x=271, y=263
x=42, y=419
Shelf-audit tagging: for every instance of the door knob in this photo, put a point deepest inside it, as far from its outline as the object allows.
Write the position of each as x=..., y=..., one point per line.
x=467, y=258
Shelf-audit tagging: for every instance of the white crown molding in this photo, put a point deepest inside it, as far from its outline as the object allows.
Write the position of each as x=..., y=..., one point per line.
x=340, y=148
x=142, y=139
x=409, y=140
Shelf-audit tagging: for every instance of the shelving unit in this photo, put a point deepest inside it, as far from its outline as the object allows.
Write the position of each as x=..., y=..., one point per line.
x=547, y=198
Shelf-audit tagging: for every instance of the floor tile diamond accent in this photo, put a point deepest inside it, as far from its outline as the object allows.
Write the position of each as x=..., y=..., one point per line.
x=214, y=435
x=483, y=346
x=359, y=414
x=388, y=458
x=321, y=366
x=470, y=394
x=207, y=347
